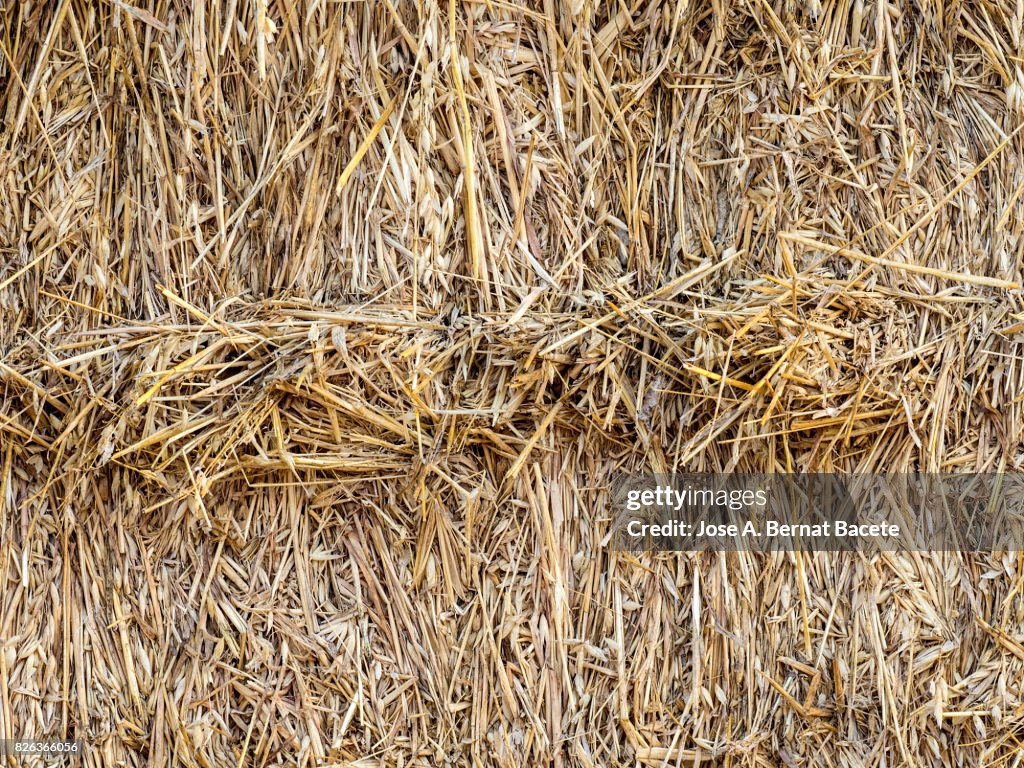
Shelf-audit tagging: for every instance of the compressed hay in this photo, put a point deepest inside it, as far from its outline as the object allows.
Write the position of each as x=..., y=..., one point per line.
x=323, y=327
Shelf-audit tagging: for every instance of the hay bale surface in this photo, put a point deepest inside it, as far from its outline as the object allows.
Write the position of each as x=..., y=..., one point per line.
x=323, y=327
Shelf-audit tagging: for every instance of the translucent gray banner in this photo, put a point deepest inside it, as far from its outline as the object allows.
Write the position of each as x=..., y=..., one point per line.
x=811, y=512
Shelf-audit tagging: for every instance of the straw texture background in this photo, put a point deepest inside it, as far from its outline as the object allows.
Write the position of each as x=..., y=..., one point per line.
x=324, y=324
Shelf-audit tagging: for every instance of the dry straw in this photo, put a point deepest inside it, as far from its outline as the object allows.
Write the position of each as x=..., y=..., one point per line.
x=323, y=326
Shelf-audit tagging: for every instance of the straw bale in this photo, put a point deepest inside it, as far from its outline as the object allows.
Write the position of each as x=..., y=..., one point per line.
x=324, y=325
